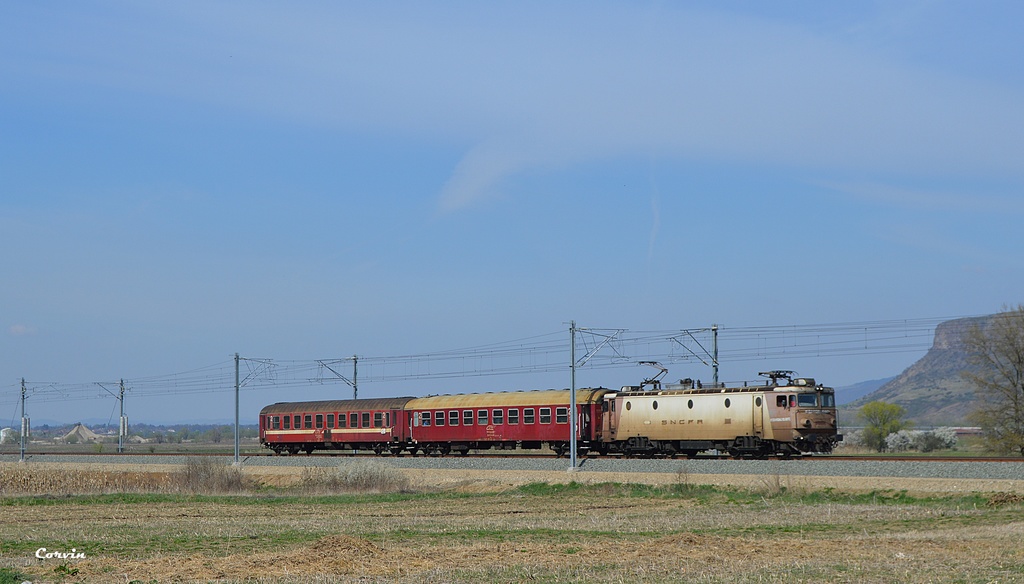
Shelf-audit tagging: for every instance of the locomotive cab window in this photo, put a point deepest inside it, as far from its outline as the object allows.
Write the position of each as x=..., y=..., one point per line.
x=807, y=400
x=439, y=418
x=513, y=416
x=467, y=417
x=828, y=400
x=453, y=418
x=561, y=415
x=780, y=401
x=528, y=415
x=545, y=415
x=498, y=417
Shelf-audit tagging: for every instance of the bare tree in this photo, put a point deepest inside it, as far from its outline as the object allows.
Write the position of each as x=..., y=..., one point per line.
x=996, y=351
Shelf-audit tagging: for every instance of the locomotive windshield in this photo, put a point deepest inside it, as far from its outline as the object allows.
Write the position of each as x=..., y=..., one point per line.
x=810, y=400
x=807, y=400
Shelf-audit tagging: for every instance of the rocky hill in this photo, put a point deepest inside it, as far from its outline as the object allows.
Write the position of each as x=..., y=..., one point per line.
x=932, y=390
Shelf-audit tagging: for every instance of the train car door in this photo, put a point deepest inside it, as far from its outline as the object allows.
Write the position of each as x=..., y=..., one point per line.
x=758, y=415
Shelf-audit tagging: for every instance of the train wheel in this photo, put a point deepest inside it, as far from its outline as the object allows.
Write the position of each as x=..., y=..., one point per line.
x=378, y=449
x=309, y=449
x=293, y=450
x=396, y=450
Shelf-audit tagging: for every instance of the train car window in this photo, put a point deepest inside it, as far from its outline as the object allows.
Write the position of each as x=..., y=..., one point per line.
x=828, y=400
x=275, y=422
x=545, y=415
x=309, y=421
x=481, y=417
x=387, y=418
x=780, y=401
x=528, y=415
x=365, y=421
x=513, y=417
x=378, y=420
x=330, y=420
x=689, y=404
x=629, y=406
x=807, y=399
x=561, y=415
x=727, y=402
x=319, y=420
x=498, y=417
x=439, y=418
x=453, y=418
x=297, y=422
x=655, y=404
x=287, y=422
x=353, y=420
x=467, y=417
x=424, y=418
x=757, y=402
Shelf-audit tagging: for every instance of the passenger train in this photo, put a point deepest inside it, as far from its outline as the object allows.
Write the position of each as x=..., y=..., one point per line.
x=784, y=416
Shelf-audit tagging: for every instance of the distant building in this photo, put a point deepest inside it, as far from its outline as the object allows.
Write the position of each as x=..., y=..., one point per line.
x=6, y=434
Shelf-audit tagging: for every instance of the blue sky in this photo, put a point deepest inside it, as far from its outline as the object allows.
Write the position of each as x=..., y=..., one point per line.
x=183, y=181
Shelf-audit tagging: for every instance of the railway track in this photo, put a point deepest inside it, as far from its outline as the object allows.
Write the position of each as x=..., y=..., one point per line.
x=517, y=456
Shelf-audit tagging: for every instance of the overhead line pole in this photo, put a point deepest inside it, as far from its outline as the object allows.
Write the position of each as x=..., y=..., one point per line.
x=572, y=396
x=237, y=386
x=24, y=421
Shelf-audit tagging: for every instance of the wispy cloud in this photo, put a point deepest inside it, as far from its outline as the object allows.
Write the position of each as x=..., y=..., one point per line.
x=20, y=330
x=527, y=88
x=920, y=199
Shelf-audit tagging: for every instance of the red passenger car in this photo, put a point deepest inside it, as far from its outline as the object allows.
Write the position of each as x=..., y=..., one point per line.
x=505, y=421
x=364, y=424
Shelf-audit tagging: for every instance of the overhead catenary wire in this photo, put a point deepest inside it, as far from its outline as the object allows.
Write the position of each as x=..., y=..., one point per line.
x=542, y=353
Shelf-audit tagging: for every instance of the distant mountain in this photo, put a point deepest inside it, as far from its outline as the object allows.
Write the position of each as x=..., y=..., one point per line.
x=933, y=390
x=849, y=393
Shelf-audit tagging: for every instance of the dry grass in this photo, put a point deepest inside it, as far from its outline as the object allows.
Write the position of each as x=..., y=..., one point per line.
x=554, y=533
x=356, y=476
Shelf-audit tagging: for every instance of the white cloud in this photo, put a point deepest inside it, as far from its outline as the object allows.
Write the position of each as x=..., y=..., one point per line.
x=20, y=330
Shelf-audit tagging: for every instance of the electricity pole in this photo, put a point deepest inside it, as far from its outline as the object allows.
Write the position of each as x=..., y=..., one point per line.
x=24, y=421
x=237, y=385
x=572, y=397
